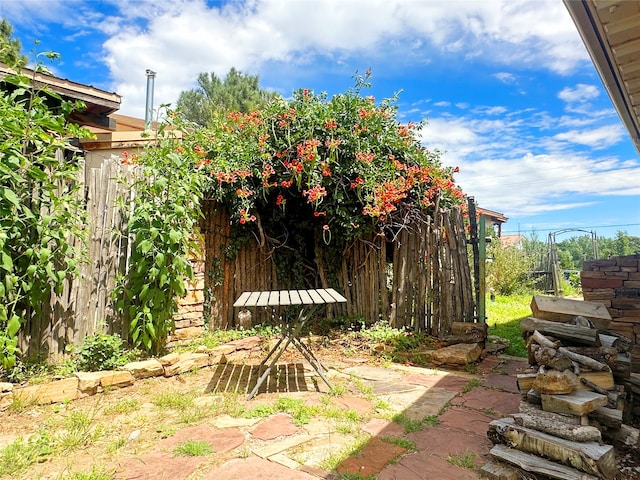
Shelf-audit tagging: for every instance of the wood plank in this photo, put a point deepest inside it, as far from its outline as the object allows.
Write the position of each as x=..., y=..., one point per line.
x=263, y=299
x=242, y=299
x=557, y=309
x=284, y=297
x=589, y=457
x=253, y=299
x=582, y=335
x=603, y=379
x=274, y=298
x=304, y=296
x=294, y=297
x=315, y=297
x=533, y=463
x=336, y=296
x=578, y=402
x=325, y=296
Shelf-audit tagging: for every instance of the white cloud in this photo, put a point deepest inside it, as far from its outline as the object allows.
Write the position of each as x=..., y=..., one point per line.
x=505, y=77
x=597, y=138
x=579, y=94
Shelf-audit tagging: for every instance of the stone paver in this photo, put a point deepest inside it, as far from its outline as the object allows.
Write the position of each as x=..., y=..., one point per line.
x=503, y=403
x=274, y=427
x=466, y=420
x=424, y=466
x=378, y=427
x=159, y=466
x=221, y=440
x=256, y=469
x=372, y=459
x=507, y=383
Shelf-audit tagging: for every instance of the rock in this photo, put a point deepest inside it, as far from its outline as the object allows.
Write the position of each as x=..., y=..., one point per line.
x=248, y=343
x=555, y=382
x=169, y=359
x=5, y=400
x=186, y=363
x=116, y=378
x=6, y=387
x=53, y=392
x=459, y=354
x=145, y=369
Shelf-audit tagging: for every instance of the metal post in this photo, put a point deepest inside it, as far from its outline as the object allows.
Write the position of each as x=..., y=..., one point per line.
x=148, y=114
x=482, y=264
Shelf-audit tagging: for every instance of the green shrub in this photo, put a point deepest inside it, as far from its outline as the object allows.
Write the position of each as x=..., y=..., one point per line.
x=102, y=351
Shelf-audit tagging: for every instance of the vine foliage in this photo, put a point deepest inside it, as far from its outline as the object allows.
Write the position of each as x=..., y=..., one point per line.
x=40, y=211
x=162, y=222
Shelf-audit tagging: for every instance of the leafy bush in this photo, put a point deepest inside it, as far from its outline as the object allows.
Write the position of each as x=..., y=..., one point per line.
x=41, y=213
x=102, y=351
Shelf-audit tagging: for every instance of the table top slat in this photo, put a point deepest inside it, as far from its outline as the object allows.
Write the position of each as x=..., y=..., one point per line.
x=305, y=298
x=294, y=297
x=253, y=299
x=284, y=297
x=316, y=297
x=242, y=299
x=263, y=299
x=326, y=296
x=274, y=298
x=337, y=296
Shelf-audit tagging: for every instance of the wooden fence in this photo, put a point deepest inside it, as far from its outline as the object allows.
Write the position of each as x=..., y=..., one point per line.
x=420, y=278
x=85, y=307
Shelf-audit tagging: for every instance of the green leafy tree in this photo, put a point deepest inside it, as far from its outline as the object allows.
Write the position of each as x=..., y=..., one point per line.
x=10, y=47
x=40, y=211
x=238, y=92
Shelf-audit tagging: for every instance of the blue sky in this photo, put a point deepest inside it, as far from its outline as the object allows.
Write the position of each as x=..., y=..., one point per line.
x=507, y=87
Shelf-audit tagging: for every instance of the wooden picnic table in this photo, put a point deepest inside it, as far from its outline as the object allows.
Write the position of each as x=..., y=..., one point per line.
x=309, y=302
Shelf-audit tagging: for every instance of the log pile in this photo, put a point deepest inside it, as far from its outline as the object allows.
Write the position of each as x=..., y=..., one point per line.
x=572, y=413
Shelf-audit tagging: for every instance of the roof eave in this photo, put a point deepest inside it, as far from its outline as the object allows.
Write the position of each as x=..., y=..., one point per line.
x=591, y=32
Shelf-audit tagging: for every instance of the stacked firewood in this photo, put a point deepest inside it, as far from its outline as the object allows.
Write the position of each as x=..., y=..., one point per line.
x=571, y=414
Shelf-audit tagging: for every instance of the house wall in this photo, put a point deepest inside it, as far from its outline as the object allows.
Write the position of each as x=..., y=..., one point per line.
x=615, y=282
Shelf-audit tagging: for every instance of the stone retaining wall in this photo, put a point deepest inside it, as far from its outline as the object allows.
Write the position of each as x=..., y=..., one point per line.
x=84, y=384
x=615, y=282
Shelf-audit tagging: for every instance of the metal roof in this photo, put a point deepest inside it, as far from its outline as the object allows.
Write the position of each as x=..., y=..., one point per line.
x=610, y=29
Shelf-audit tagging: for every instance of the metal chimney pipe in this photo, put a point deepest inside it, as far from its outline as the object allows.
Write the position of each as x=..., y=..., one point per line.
x=148, y=115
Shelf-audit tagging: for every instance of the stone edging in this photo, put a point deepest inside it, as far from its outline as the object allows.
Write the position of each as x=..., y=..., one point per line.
x=84, y=384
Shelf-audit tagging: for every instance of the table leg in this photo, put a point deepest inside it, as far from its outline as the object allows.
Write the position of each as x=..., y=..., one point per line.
x=265, y=374
x=311, y=358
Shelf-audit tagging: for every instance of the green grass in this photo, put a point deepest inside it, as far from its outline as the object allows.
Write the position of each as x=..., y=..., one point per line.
x=194, y=448
x=504, y=316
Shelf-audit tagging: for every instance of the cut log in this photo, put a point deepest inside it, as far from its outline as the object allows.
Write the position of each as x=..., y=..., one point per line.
x=589, y=457
x=575, y=433
x=580, y=335
x=470, y=337
x=535, y=464
x=555, y=382
x=460, y=328
x=540, y=339
x=499, y=471
x=557, y=309
x=578, y=402
x=551, y=358
x=608, y=355
x=534, y=397
x=623, y=343
x=603, y=379
x=585, y=361
x=536, y=410
x=607, y=417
